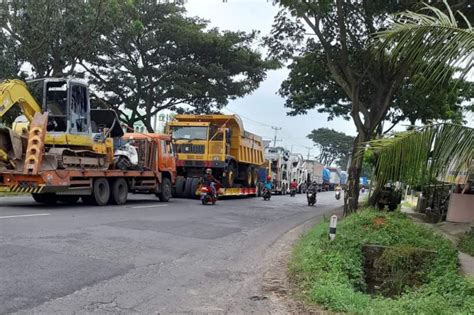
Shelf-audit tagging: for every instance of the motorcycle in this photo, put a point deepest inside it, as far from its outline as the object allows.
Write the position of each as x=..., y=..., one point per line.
x=338, y=195
x=292, y=192
x=207, y=196
x=266, y=194
x=311, y=196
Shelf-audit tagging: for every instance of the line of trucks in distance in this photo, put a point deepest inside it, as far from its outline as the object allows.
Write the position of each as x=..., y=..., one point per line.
x=61, y=151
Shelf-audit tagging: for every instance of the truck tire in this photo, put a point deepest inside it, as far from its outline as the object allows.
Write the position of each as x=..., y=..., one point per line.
x=180, y=185
x=254, y=178
x=70, y=199
x=47, y=198
x=248, y=177
x=231, y=173
x=100, y=193
x=187, y=187
x=118, y=192
x=165, y=193
x=194, y=186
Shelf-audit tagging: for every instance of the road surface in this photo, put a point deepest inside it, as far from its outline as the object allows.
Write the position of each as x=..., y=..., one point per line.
x=143, y=257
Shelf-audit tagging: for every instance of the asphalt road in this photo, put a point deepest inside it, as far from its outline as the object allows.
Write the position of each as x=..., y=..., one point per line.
x=144, y=257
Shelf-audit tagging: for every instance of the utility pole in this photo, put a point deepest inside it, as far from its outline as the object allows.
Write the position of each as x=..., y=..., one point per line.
x=309, y=150
x=275, y=138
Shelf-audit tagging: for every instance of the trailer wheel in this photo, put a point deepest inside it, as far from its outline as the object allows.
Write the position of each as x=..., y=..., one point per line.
x=180, y=185
x=165, y=194
x=119, y=192
x=100, y=193
x=47, y=198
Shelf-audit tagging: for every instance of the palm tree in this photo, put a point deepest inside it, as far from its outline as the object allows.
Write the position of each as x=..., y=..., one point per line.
x=435, y=152
x=430, y=42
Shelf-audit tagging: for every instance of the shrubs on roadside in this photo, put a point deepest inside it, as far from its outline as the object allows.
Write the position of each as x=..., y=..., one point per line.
x=466, y=244
x=331, y=273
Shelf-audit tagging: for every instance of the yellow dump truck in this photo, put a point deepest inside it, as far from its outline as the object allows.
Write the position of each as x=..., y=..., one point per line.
x=218, y=142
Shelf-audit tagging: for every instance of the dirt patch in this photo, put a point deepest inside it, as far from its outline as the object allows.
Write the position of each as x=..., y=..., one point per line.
x=379, y=221
x=277, y=287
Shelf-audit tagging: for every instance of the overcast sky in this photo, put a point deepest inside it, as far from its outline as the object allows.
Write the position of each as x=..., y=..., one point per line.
x=263, y=108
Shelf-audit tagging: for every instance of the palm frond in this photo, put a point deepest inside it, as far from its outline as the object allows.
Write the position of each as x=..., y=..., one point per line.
x=418, y=156
x=429, y=42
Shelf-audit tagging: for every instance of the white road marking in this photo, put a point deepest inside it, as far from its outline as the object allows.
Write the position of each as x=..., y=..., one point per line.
x=24, y=215
x=150, y=206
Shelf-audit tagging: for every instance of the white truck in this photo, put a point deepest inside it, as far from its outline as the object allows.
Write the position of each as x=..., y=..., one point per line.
x=295, y=167
x=313, y=172
x=279, y=158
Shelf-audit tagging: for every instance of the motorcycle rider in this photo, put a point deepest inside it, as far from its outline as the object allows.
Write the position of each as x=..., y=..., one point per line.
x=313, y=187
x=268, y=183
x=211, y=181
x=294, y=185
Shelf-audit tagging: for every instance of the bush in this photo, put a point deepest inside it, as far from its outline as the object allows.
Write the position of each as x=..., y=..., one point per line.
x=331, y=273
x=466, y=244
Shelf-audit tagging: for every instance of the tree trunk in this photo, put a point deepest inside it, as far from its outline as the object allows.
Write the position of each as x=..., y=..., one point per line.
x=351, y=197
x=147, y=122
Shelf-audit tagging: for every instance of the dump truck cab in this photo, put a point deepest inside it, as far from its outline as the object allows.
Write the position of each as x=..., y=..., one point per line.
x=218, y=142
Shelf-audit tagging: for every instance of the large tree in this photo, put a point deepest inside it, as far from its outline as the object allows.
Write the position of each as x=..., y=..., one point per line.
x=53, y=36
x=154, y=57
x=336, y=66
x=334, y=146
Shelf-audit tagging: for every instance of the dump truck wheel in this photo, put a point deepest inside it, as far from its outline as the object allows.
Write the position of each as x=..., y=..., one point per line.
x=254, y=178
x=118, y=192
x=194, y=188
x=187, y=187
x=100, y=193
x=47, y=199
x=248, y=177
x=69, y=199
x=165, y=193
x=230, y=176
x=180, y=185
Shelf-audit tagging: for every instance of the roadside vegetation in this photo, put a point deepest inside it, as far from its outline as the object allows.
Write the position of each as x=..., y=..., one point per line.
x=466, y=244
x=331, y=274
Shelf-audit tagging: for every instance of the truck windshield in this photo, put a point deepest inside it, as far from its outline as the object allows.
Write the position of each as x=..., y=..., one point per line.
x=189, y=133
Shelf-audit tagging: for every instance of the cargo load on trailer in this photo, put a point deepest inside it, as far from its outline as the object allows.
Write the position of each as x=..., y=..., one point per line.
x=66, y=151
x=279, y=158
x=314, y=172
x=218, y=142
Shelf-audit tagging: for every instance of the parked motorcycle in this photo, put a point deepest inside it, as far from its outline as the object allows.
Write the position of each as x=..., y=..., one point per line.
x=266, y=194
x=207, y=196
x=338, y=194
x=311, y=196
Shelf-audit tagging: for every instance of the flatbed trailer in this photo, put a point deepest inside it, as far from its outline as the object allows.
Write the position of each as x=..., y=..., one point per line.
x=156, y=174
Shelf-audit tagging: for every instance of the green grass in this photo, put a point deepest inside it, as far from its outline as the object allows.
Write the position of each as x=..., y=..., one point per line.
x=331, y=273
x=466, y=244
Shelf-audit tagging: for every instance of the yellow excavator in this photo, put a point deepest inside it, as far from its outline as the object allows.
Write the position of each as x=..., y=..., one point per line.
x=60, y=124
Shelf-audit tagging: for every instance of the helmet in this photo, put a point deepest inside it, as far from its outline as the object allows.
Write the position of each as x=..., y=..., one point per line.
x=208, y=171
x=269, y=177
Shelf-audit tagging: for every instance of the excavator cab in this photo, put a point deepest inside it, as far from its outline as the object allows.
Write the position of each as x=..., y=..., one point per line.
x=67, y=103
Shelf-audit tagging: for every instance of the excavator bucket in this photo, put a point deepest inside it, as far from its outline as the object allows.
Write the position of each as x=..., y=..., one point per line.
x=12, y=146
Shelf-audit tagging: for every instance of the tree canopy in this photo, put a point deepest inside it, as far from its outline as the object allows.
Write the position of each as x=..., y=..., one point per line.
x=334, y=67
x=140, y=56
x=155, y=57
x=334, y=146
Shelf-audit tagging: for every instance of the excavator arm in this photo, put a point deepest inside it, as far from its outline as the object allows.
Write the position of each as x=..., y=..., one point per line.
x=15, y=92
